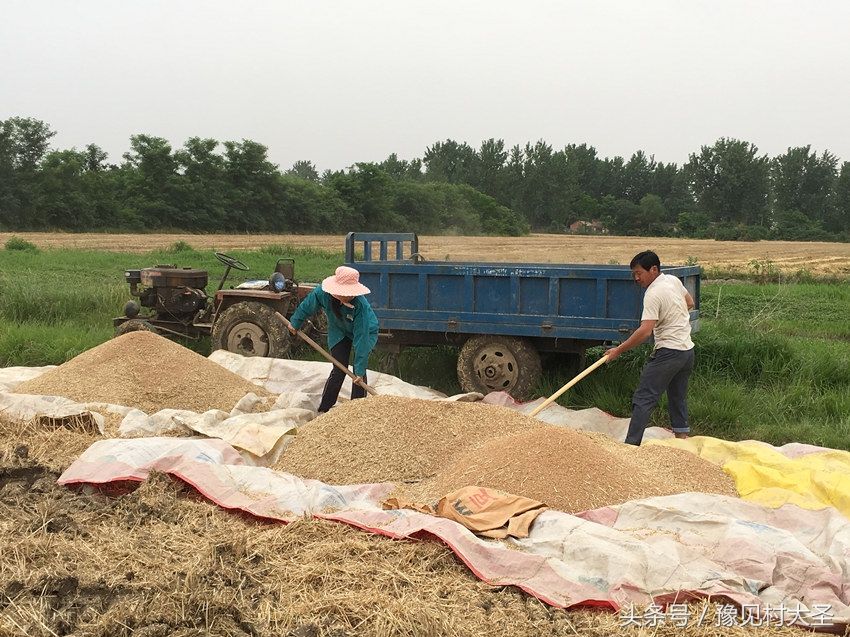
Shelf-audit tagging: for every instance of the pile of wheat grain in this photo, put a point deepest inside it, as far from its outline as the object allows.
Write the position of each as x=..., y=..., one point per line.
x=145, y=371
x=573, y=471
x=430, y=448
x=394, y=439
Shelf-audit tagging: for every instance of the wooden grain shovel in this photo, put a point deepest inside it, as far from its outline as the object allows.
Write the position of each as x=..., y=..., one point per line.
x=554, y=396
x=321, y=351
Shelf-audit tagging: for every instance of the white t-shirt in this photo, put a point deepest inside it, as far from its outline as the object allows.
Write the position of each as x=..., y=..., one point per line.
x=664, y=302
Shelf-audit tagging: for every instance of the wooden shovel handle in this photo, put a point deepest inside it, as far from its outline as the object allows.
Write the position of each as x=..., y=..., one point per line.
x=554, y=396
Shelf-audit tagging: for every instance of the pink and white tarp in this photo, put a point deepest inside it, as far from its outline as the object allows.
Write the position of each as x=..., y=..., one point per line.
x=658, y=549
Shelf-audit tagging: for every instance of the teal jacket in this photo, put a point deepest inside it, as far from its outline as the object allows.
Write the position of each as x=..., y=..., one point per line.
x=360, y=325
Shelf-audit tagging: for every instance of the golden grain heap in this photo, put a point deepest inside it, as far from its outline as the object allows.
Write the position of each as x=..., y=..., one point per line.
x=430, y=448
x=145, y=371
x=572, y=471
x=394, y=439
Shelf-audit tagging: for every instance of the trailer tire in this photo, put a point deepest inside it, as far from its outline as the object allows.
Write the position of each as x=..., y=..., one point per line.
x=498, y=363
x=134, y=325
x=251, y=329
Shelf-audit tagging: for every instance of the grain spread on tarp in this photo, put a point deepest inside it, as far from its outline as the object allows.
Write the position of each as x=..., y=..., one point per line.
x=430, y=448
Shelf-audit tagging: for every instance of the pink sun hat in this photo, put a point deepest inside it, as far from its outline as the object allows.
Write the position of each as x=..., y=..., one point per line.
x=345, y=282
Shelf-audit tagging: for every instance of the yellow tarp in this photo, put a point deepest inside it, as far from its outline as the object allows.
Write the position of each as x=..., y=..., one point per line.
x=764, y=475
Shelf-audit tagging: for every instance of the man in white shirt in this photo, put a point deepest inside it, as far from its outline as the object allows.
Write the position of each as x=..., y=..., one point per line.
x=666, y=317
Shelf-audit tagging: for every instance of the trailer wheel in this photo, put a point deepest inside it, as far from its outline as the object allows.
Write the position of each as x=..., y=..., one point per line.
x=498, y=363
x=134, y=325
x=251, y=329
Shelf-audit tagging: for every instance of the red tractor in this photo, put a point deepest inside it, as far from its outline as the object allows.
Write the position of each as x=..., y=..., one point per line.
x=240, y=319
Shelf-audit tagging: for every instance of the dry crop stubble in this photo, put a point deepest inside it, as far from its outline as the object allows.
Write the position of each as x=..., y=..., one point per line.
x=818, y=258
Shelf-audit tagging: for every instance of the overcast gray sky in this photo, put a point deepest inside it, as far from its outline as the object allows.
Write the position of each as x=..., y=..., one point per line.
x=340, y=82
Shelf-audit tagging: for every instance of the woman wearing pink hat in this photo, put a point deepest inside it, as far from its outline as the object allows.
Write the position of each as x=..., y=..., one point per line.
x=351, y=322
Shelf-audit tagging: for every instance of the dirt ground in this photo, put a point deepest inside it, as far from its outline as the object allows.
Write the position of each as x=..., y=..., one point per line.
x=159, y=561
x=817, y=258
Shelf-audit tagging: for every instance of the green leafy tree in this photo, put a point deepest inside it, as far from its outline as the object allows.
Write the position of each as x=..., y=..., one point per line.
x=304, y=169
x=652, y=217
x=449, y=161
x=804, y=182
x=613, y=175
x=730, y=181
x=253, y=182
x=488, y=168
x=421, y=204
x=95, y=158
x=639, y=176
x=693, y=224
x=589, y=170
x=671, y=185
x=151, y=183
x=61, y=198
x=494, y=218
x=548, y=192
x=620, y=215
x=367, y=191
x=839, y=221
x=794, y=225
x=401, y=168
x=202, y=191
x=23, y=144
x=306, y=206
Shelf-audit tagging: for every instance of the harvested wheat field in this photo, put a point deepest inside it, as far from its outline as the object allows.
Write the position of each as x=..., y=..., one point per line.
x=394, y=439
x=145, y=371
x=160, y=562
x=818, y=258
x=572, y=471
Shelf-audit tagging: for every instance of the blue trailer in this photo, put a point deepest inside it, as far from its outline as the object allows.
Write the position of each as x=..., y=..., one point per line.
x=501, y=315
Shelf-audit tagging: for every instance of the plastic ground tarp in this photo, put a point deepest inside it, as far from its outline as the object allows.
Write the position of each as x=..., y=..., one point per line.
x=591, y=419
x=662, y=549
x=807, y=476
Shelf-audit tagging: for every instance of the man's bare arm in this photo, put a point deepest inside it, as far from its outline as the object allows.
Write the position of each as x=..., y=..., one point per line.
x=638, y=336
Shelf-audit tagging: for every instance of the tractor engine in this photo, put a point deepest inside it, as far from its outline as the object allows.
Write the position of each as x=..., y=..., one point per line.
x=176, y=293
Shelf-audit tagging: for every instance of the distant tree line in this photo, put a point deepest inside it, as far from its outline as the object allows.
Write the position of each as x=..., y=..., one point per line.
x=725, y=191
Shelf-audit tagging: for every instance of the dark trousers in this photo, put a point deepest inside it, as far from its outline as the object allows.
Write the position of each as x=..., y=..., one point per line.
x=667, y=370
x=342, y=353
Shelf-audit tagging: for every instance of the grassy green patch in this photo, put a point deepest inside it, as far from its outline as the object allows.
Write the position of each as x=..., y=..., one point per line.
x=87, y=288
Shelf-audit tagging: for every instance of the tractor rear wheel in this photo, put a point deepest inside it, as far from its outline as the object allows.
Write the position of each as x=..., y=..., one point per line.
x=498, y=363
x=134, y=325
x=251, y=329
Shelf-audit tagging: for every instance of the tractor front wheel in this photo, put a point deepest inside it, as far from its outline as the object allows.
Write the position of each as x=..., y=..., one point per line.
x=251, y=329
x=498, y=363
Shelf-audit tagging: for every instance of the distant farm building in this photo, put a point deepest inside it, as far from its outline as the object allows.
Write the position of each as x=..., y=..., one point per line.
x=588, y=227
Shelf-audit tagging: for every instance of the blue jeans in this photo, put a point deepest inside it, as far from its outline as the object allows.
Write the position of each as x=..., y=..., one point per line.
x=667, y=370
